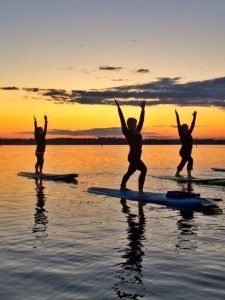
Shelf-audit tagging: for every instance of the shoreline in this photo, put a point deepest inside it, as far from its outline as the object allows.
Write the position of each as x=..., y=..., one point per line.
x=107, y=141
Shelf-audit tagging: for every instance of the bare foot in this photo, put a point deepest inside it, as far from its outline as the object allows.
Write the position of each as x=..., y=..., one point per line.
x=125, y=189
x=178, y=176
x=142, y=193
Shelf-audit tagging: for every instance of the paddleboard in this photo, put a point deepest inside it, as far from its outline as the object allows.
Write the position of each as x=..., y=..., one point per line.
x=154, y=198
x=55, y=177
x=219, y=169
x=207, y=181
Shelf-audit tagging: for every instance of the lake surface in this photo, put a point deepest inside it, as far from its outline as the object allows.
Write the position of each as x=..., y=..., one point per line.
x=59, y=242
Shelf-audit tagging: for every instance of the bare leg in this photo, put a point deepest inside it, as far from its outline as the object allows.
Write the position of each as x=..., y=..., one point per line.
x=131, y=169
x=141, y=167
x=36, y=167
x=37, y=164
x=41, y=163
x=180, y=166
x=190, y=167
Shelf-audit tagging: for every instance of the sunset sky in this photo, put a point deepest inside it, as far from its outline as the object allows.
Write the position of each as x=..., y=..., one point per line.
x=69, y=59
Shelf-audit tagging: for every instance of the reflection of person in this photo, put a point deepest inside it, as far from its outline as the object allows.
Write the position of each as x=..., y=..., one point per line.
x=131, y=268
x=187, y=229
x=39, y=136
x=40, y=218
x=186, y=186
x=132, y=132
x=187, y=143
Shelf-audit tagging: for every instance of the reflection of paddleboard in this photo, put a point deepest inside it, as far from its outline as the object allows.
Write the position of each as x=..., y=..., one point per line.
x=56, y=177
x=219, y=169
x=156, y=198
x=209, y=181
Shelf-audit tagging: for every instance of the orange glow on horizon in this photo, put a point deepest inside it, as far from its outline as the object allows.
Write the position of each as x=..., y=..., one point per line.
x=17, y=118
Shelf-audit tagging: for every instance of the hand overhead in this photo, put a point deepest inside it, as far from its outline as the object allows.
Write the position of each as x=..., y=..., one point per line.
x=142, y=105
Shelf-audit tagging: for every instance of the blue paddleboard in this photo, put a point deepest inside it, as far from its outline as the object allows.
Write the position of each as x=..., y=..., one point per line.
x=154, y=198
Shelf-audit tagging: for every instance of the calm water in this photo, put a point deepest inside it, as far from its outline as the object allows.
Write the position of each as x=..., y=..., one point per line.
x=59, y=242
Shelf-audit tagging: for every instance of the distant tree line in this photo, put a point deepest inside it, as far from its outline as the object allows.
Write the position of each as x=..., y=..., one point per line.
x=107, y=141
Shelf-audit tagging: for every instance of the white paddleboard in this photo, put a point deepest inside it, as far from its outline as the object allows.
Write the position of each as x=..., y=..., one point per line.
x=55, y=177
x=155, y=198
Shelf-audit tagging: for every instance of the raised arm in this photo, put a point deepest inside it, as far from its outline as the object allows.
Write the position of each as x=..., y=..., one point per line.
x=46, y=124
x=193, y=122
x=122, y=120
x=35, y=124
x=142, y=116
x=35, y=127
x=178, y=121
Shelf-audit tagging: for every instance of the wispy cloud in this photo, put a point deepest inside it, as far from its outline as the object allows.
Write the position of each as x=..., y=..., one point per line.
x=142, y=71
x=94, y=132
x=68, y=68
x=34, y=90
x=109, y=68
x=119, y=79
x=9, y=88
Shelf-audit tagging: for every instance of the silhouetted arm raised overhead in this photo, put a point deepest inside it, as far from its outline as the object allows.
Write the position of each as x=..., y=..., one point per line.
x=46, y=124
x=142, y=116
x=193, y=122
x=35, y=127
x=122, y=120
x=178, y=122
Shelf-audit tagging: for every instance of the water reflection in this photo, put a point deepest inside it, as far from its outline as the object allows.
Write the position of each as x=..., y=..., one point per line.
x=40, y=218
x=186, y=226
x=206, y=210
x=187, y=230
x=129, y=277
x=186, y=187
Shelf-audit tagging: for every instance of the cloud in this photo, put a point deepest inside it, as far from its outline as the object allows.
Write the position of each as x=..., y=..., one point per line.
x=162, y=91
x=68, y=68
x=85, y=71
x=94, y=132
x=109, y=68
x=119, y=79
x=34, y=90
x=9, y=88
x=142, y=71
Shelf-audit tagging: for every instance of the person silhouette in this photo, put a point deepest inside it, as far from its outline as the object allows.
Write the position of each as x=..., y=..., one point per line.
x=132, y=133
x=187, y=143
x=130, y=277
x=40, y=216
x=39, y=136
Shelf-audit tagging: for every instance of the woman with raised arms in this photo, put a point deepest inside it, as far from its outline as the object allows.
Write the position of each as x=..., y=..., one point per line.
x=132, y=133
x=39, y=136
x=187, y=143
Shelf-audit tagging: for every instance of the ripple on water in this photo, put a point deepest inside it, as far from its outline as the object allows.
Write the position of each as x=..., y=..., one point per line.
x=59, y=242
